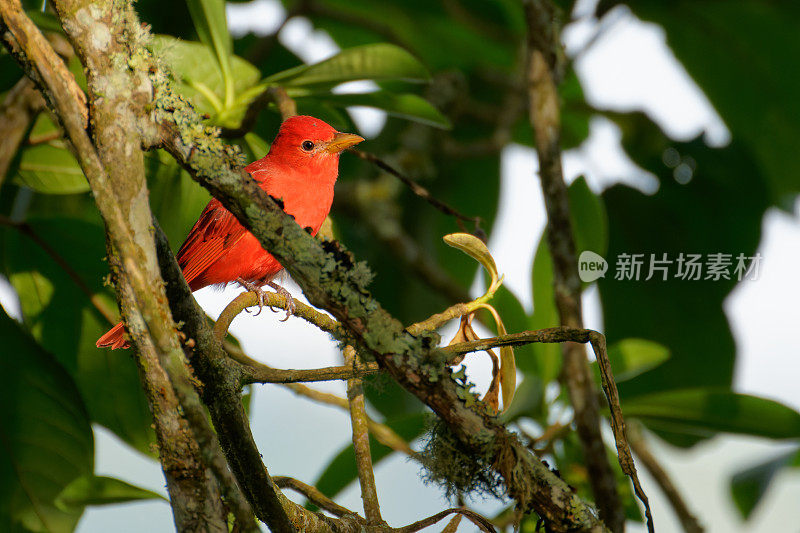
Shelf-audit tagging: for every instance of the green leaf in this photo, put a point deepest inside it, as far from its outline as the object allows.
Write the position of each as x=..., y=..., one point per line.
x=64, y=321
x=408, y=106
x=175, y=198
x=378, y=61
x=546, y=360
x=747, y=70
x=748, y=486
x=200, y=80
x=631, y=357
x=685, y=316
x=44, y=433
x=705, y=411
x=101, y=490
x=49, y=167
x=589, y=220
x=212, y=28
x=475, y=248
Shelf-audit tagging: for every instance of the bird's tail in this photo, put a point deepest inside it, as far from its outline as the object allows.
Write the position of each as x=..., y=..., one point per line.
x=114, y=338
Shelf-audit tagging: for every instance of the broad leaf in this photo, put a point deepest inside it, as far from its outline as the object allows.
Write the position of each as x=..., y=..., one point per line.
x=408, y=106
x=631, y=357
x=378, y=61
x=45, y=435
x=211, y=24
x=705, y=411
x=61, y=317
x=195, y=66
x=748, y=486
x=48, y=166
x=101, y=490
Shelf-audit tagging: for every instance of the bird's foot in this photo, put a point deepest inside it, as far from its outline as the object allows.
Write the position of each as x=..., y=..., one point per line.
x=290, y=306
x=257, y=290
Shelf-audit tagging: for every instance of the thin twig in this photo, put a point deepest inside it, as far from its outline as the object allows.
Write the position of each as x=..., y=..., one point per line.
x=20, y=106
x=642, y=450
x=482, y=523
x=544, y=71
x=314, y=495
x=360, y=425
x=422, y=192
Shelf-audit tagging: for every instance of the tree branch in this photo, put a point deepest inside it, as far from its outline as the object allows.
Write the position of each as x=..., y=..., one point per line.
x=544, y=71
x=315, y=496
x=20, y=106
x=359, y=422
x=642, y=450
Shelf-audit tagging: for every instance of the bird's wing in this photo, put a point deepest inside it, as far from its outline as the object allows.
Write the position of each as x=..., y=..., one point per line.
x=214, y=233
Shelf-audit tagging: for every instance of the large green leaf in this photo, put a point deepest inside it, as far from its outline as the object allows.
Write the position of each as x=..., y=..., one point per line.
x=212, y=28
x=705, y=411
x=748, y=69
x=631, y=357
x=719, y=210
x=60, y=316
x=45, y=436
x=408, y=106
x=195, y=66
x=380, y=61
x=101, y=490
x=49, y=167
x=748, y=486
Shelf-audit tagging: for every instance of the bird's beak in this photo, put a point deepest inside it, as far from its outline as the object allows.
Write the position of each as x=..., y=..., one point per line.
x=342, y=141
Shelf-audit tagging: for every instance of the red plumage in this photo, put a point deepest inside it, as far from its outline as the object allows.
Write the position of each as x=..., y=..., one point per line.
x=300, y=170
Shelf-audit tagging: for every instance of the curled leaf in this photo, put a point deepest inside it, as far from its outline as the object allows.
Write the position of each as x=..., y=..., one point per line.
x=475, y=248
x=508, y=365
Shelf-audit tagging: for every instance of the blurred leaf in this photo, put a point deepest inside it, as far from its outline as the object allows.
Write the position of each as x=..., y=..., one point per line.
x=705, y=411
x=527, y=400
x=686, y=316
x=589, y=218
x=377, y=61
x=546, y=360
x=49, y=167
x=748, y=70
x=45, y=433
x=175, y=198
x=195, y=65
x=101, y=490
x=408, y=106
x=631, y=357
x=341, y=471
x=60, y=316
x=748, y=486
x=211, y=24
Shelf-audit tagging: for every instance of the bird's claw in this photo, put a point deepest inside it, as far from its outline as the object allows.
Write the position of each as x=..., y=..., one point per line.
x=290, y=305
x=258, y=291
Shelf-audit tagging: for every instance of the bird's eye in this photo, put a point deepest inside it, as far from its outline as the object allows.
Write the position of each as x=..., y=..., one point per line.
x=308, y=146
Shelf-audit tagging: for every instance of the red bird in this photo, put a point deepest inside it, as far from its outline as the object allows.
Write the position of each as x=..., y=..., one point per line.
x=300, y=169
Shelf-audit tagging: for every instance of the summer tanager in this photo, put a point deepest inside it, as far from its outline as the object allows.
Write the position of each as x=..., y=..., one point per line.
x=300, y=169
